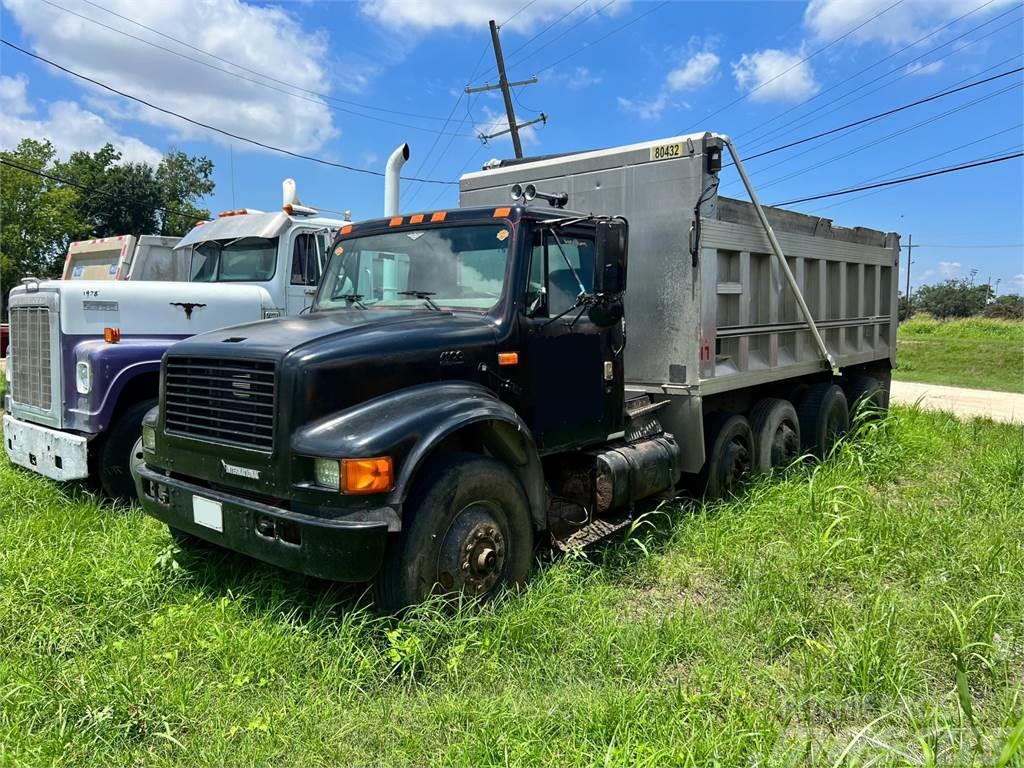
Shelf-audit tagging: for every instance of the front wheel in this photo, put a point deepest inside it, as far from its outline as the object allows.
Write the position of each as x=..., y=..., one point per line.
x=121, y=449
x=467, y=531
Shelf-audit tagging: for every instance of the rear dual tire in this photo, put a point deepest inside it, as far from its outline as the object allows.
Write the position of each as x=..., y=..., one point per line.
x=824, y=418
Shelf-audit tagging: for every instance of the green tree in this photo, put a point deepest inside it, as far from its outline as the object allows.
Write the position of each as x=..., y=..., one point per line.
x=952, y=298
x=38, y=218
x=183, y=180
x=1007, y=307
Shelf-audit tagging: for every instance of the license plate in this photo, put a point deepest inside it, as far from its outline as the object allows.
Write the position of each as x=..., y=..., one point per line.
x=208, y=513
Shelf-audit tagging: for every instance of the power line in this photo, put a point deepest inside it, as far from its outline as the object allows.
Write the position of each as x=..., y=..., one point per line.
x=319, y=96
x=970, y=247
x=601, y=39
x=880, y=115
x=887, y=137
x=82, y=187
x=236, y=64
x=904, y=180
x=803, y=120
x=550, y=26
x=761, y=125
x=558, y=37
x=254, y=142
x=802, y=61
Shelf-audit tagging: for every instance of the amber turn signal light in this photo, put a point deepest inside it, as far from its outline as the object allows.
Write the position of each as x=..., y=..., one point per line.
x=374, y=475
x=508, y=358
x=111, y=335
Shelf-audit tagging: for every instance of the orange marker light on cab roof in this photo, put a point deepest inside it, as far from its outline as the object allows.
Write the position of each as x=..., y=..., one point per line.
x=508, y=358
x=374, y=475
x=501, y=213
x=416, y=218
x=111, y=335
x=346, y=229
x=395, y=221
x=438, y=216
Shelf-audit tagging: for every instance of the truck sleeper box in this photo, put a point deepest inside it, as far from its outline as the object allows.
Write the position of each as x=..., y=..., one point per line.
x=506, y=386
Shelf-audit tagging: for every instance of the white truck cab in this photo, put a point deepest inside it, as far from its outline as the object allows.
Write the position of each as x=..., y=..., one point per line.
x=84, y=358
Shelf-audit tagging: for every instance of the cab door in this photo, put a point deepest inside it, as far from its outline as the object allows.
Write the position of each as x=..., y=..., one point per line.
x=306, y=265
x=573, y=373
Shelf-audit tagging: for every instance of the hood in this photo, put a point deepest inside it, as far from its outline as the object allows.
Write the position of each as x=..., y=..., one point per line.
x=334, y=329
x=151, y=307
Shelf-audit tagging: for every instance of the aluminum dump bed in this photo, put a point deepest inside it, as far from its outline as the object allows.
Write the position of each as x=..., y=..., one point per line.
x=708, y=306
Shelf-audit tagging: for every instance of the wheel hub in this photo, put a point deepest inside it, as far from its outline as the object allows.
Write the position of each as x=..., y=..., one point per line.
x=736, y=465
x=785, y=446
x=472, y=554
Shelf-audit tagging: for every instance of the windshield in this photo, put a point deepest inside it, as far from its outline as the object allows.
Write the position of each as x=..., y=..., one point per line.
x=458, y=267
x=245, y=259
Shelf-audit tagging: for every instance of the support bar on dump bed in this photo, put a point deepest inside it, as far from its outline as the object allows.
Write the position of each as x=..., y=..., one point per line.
x=777, y=250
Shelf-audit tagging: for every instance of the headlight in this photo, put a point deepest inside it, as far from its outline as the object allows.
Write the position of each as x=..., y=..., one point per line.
x=83, y=377
x=327, y=473
x=148, y=438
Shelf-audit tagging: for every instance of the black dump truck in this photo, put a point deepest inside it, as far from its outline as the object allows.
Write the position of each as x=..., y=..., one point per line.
x=465, y=388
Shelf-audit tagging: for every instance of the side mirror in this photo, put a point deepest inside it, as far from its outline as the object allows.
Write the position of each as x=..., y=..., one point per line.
x=610, y=245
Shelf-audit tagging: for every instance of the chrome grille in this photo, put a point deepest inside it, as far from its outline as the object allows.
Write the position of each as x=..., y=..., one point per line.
x=31, y=382
x=226, y=401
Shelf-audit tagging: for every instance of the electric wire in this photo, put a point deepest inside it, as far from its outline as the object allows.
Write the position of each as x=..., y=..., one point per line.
x=215, y=129
x=802, y=61
x=318, y=94
x=804, y=120
x=559, y=36
x=904, y=180
x=762, y=124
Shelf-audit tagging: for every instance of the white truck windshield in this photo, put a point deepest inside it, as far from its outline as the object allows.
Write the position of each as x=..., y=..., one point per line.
x=248, y=259
x=457, y=267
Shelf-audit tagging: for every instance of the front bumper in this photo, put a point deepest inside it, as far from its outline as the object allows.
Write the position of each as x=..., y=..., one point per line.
x=50, y=452
x=339, y=550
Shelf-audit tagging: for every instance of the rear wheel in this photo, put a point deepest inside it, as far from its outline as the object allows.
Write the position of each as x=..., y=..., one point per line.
x=865, y=392
x=776, y=428
x=728, y=455
x=824, y=418
x=468, y=531
x=122, y=448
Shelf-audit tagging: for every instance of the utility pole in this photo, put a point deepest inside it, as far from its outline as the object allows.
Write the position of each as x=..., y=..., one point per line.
x=506, y=86
x=910, y=260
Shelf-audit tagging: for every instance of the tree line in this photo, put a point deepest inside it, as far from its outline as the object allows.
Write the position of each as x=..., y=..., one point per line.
x=962, y=298
x=98, y=196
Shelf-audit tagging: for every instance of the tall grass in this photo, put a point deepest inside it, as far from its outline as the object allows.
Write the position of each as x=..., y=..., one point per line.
x=868, y=609
x=965, y=328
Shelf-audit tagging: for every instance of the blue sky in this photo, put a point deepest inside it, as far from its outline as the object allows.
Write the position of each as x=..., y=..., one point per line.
x=343, y=73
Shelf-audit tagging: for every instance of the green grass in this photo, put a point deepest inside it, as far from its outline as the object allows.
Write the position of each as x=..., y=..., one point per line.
x=869, y=610
x=974, y=352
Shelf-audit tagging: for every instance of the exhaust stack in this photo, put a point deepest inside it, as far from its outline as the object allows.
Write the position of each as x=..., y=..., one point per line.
x=391, y=179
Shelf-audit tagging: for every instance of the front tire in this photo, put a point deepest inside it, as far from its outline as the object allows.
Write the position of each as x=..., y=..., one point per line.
x=120, y=450
x=467, y=531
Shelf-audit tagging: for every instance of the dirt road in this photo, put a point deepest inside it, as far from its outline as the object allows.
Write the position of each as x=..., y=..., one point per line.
x=998, y=406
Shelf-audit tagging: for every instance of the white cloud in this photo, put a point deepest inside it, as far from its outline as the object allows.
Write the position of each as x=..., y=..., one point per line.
x=700, y=70
x=829, y=19
x=582, y=77
x=497, y=121
x=924, y=69
x=645, y=110
x=774, y=75
x=949, y=268
x=443, y=14
x=262, y=38
x=1018, y=280
x=66, y=124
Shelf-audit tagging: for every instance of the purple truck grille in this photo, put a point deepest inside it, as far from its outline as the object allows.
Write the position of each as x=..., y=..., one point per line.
x=221, y=400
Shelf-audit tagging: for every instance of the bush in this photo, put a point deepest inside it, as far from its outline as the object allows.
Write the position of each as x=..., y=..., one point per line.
x=1009, y=307
x=953, y=298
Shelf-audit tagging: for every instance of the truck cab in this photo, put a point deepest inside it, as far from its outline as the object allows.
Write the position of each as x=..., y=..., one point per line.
x=455, y=352
x=84, y=359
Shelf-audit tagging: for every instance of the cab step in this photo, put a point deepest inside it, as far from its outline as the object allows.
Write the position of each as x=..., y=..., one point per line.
x=593, y=531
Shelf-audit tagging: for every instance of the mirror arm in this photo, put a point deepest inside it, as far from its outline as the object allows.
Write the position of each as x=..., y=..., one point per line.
x=561, y=250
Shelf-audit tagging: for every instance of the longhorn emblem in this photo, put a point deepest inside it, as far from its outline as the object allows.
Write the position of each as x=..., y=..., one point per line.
x=188, y=306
